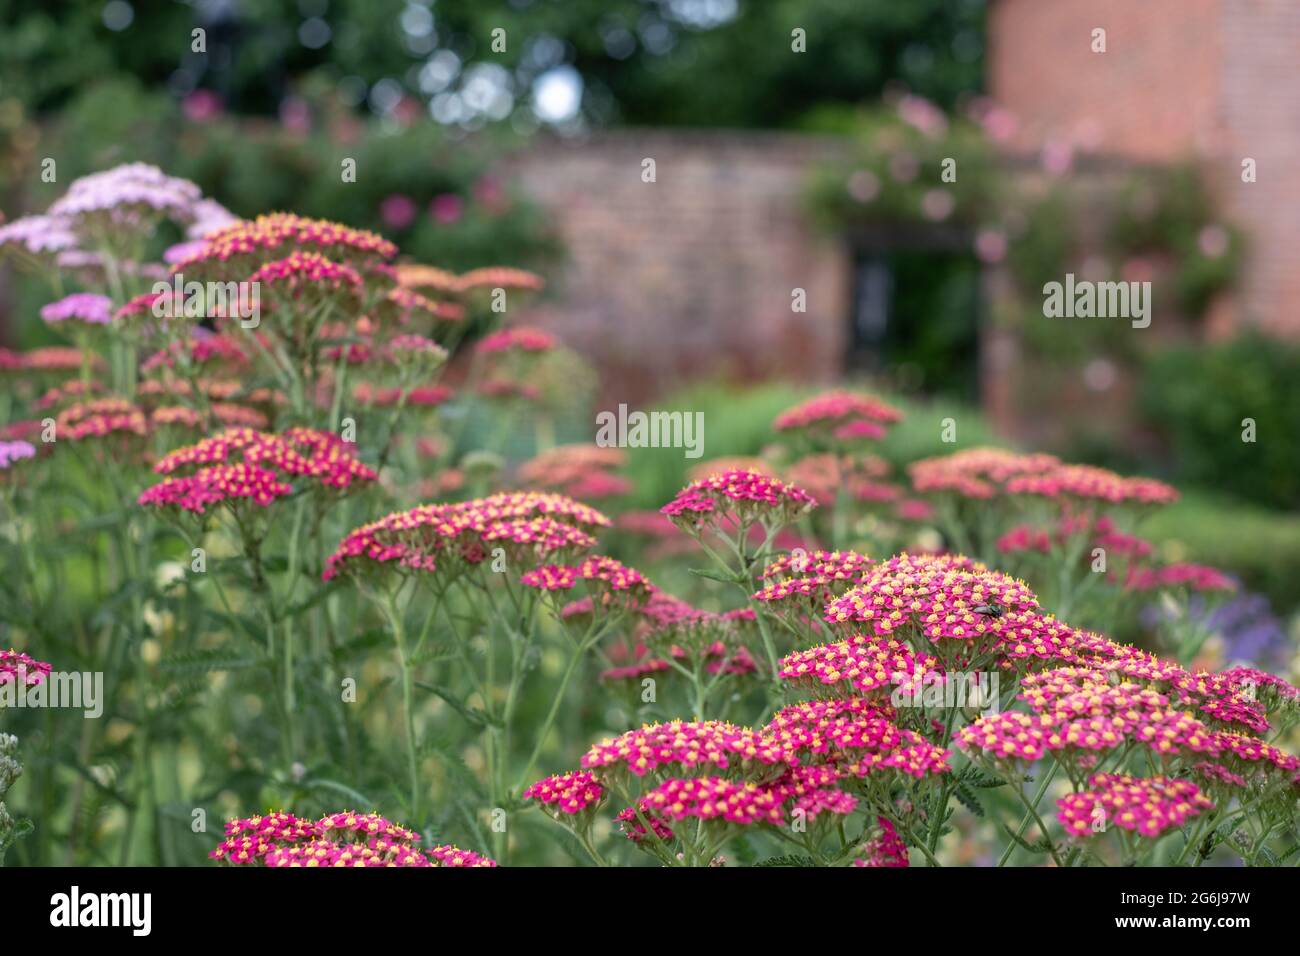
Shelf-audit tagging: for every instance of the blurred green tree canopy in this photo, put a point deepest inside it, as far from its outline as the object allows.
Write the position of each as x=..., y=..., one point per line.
x=635, y=61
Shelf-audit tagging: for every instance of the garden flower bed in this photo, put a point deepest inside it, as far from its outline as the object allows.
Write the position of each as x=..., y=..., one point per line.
x=256, y=493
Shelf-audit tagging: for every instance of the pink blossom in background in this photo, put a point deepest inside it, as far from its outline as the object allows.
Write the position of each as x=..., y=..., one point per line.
x=937, y=204
x=990, y=245
x=920, y=113
x=1057, y=157
x=904, y=167
x=84, y=306
x=182, y=251
x=397, y=211
x=863, y=185
x=447, y=208
x=1137, y=269
x=201, y=105
x=1213, y=241
x=295, y=114
x=489, y=193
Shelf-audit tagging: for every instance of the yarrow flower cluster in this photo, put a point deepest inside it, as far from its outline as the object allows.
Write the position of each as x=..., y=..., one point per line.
x=245, y=464
x=42, y=236
x=534, y=525
x=251, y=243
x=1191, y=577
x=126, y=195
x=14, y=451
x=585, y=472
x=977, y=472
x=17, y=667
x=1087, y=482
x=605, y=574
x=335, y=840
x=306, y=270
x=1148, y=806
x=82, y=306
x=741, y=496
x=521, y=338
x=950, y=598
x=806, y=579
x=101, y=418
x=845, y=416
x=724, y=774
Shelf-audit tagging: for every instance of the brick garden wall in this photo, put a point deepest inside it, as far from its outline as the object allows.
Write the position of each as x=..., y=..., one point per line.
x=1217, y=79
x=690, y=276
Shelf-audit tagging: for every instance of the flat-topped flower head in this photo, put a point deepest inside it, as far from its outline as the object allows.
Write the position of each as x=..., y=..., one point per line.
x=418, y=396
x=845, y=416
x=741, y=497
x=411, y=275
x=805, y=580
x=244, y=466
x=608, y=578
x=946, y=598
x=327, y=853
x=861, y=664
x=499, y=277
x=401, y=306
x=101, y=418
x=1174, y=577
x=715, y=798
x=128, y=197
x=18, y=668
x=1085, y=482
x=1147, y=806
x=217, y=484
x=567, y=793
x=530, y=526
x=581, y=471
x=52, y=358
x=367, y=825
x=245, y=244
x=250, y=839
x=85, y=307
x=521, y=338
x=39, y=237
x=708, y=744
x=454, y=857
x=976, y=472
x=300, y=272
x=15, y=451
x=345, y=839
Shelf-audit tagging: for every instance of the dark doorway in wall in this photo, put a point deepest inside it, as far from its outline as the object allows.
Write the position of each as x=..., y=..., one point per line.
x=916, y=304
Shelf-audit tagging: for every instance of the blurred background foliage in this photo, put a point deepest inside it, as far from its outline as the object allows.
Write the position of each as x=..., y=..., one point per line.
x=285, y=90
x=639, y=61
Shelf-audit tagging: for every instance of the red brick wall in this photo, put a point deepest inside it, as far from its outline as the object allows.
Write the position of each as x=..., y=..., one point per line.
x=690, y=276
x=1215, y=78
x=1152, y=95
x=1260, y=111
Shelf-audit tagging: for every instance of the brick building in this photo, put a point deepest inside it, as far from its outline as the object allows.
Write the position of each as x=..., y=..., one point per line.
x=1213, y=79
x=692, y=275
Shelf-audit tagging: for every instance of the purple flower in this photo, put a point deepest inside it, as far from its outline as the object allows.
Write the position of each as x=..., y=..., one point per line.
x=182, y=251
x=12, y=451
x=85, y=306
x=126, y=193
x=38, y=234
x=209, y=215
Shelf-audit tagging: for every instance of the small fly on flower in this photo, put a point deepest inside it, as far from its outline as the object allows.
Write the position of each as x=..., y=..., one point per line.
x=991, y=610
